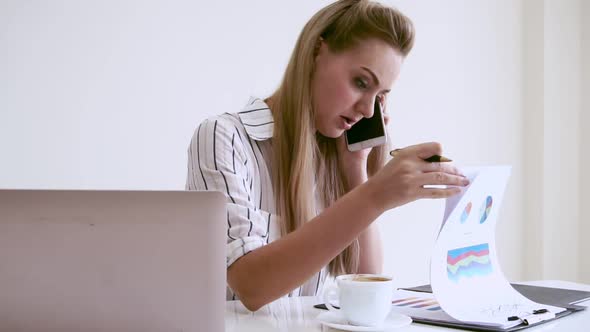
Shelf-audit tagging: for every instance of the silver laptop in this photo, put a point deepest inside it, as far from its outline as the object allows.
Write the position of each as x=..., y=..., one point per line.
x=112, y=260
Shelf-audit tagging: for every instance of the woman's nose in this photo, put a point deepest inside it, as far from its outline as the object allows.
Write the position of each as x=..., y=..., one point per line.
x=366, y=107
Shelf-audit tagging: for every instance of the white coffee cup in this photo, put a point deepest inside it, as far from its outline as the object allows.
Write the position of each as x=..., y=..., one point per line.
x=365, y=299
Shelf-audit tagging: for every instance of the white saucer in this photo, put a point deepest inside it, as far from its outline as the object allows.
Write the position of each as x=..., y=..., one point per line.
x=337, y=321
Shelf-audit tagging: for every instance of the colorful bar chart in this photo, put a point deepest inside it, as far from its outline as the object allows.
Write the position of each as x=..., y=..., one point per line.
x=469, y=262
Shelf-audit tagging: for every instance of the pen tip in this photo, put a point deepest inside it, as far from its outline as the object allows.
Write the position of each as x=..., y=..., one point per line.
x=394, y=152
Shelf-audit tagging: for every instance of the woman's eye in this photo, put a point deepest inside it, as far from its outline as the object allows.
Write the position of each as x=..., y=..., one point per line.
x=361, y=84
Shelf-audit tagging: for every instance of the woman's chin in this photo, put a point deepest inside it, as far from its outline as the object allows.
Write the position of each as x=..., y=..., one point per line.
x=331, y=133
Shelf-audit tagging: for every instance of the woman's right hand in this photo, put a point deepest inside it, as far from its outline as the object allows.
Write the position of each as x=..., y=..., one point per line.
x=403, y=178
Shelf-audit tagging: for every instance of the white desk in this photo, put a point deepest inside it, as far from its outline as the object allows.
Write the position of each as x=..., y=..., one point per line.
x=298, y=314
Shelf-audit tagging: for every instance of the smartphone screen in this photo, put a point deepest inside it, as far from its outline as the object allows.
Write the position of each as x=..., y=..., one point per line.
x=367, y=128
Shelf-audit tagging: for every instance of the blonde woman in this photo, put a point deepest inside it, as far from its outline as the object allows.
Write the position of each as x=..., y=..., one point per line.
x=300, y=205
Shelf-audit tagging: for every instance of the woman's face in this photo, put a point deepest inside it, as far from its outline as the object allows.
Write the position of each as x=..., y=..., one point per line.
x=346, y=84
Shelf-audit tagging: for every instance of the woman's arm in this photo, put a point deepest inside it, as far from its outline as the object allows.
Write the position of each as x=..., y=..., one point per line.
x=370, y=246
x=271, y=271
x=371, y=251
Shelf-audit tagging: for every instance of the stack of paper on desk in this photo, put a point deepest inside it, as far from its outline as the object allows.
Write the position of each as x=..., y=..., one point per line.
x=467, y=280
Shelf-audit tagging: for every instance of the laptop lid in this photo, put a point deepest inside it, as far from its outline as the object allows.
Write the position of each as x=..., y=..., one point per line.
x=75, y=260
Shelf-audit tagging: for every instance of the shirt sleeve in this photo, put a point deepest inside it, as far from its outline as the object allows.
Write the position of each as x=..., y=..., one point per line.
x=218, y=160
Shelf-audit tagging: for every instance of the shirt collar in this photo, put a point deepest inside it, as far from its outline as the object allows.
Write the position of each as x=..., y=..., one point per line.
x=257, y=119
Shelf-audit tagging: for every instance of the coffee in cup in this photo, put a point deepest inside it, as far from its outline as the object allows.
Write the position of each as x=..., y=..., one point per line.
x=369, y=278
x=365, y=299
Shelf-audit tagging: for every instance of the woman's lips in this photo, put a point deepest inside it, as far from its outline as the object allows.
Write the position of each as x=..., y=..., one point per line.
x=346, y=123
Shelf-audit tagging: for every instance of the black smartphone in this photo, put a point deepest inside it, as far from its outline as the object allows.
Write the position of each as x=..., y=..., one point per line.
x=368, y=132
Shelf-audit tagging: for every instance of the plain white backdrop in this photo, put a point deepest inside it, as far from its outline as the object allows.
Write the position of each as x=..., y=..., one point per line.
x=107, y=94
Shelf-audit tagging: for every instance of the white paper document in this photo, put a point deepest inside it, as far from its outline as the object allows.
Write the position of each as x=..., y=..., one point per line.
x=466, y=277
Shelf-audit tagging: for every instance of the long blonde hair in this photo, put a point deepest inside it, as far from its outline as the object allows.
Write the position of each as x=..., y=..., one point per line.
x=305, y=162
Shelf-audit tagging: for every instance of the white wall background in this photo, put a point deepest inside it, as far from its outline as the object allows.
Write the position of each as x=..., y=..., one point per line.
x=555, y=133
x=106, y=95
x=560, y=206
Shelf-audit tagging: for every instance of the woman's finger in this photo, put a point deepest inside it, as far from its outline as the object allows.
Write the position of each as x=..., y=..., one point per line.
x=438, y=192
x=421, y=151
x=442, y=178
x=441, y=167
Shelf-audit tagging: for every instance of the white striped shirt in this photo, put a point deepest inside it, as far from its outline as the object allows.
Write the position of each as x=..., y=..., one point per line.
x=231, y=153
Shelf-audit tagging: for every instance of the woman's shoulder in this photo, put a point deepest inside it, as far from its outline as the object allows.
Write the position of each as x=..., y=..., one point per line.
x=221, y=132
x=221, y=126
x=235, y=119
x=225, y=120
x=253, y=120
